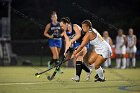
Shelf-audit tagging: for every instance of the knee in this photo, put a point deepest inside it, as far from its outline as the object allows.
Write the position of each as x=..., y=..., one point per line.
x=80, y=58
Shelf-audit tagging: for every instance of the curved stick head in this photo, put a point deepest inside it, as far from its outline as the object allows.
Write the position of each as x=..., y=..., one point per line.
x=36, y=74
x=49, y=78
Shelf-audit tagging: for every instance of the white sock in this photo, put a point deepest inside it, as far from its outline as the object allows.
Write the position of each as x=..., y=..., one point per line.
x=106, y=63
x=133, y=62
x=109, y=61
x=128, y=62
x=118, y=62
x=99, y=71
x=124, y=62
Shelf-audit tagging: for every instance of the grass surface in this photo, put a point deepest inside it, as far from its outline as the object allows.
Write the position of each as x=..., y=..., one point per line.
x=22, y=80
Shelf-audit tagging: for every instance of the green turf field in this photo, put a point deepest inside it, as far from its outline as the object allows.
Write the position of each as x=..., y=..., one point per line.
x=22, y=80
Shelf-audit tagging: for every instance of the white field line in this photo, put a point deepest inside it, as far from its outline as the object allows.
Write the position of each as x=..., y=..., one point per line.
x=34, y=83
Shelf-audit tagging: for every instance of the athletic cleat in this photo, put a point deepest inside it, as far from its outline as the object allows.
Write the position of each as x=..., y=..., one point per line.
x=100, y=80
x=49, y=65
x=96, y=76
x=76, y=78
x=123, y=67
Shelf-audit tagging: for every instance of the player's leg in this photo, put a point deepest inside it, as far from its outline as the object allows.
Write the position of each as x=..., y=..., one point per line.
x=133, y=60
x=128, y=61
x=55, y=55
x=106, y=63
x=128, y=58
x=91, y=60
x=84, y=66
x=78, y=69
x=118, y=57
x=96, y=62
x=123, y=61
x=109, y=62
x=80, y=64
x=123, y=57
x=118, y=60
x=53, y=51
x=98, y=68
x=58, y=44
x=134, y=49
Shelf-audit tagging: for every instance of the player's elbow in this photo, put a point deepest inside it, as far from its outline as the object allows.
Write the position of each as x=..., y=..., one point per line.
x=45, y=33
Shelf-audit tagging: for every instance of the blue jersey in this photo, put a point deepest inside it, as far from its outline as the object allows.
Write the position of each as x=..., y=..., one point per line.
x=77, y=42
x=70, y=34
x=55, y=30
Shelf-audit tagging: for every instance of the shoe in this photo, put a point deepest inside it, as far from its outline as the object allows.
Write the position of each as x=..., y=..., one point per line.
x=96, y=76
x=123, y=67
x=76, y=78
x=49, y=65
x=100, y=80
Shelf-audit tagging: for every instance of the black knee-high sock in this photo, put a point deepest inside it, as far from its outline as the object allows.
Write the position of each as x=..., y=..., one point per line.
x=56, y=61
x=78, y=68
x=85, y=67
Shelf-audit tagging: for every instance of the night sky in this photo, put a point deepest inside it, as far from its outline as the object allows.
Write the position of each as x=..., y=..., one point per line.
x=117, y=13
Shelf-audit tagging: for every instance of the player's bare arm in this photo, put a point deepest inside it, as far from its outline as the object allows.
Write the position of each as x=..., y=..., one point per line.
x=77, y=33
x=46, y=31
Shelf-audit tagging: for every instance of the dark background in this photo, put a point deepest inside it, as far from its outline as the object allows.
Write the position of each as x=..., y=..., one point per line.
x=118, y=13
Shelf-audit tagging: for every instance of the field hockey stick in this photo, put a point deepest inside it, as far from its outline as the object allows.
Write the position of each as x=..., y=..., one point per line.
x=36, y=74
x=57, y=69
x=64, y=60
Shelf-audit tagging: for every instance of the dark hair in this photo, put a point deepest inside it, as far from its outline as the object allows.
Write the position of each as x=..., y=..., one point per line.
x=65, y=20
x=53, y=13
x=88, y=23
